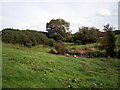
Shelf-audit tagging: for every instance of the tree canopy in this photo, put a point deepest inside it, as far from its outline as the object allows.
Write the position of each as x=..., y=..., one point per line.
x=23, y=37
x=58, y=29
x=87, y=35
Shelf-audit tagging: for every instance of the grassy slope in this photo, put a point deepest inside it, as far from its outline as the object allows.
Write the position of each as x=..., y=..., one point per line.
x=65, y=72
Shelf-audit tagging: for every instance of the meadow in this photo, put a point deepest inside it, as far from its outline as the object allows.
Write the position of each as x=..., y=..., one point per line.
x=37, y=68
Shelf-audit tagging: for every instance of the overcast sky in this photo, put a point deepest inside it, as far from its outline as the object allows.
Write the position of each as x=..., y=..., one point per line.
x=34, y=14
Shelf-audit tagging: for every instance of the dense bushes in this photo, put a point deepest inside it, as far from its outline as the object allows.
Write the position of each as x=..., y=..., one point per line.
x=50, y=42
x=108, y=42
x=27, y=38
x=28, y=45
x=86, y=35
x=60, y=48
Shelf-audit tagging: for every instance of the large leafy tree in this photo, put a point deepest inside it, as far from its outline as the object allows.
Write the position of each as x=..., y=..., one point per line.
x=58, y=29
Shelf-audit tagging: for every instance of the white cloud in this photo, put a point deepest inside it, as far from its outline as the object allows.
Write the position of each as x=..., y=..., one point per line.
x=105, y=12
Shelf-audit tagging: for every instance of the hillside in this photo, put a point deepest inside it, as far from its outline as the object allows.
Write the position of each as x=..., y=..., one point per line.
x=36, y=68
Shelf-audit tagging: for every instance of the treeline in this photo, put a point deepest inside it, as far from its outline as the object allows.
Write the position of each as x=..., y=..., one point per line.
x=58, y=32
x=27, y=38
x=87, y=35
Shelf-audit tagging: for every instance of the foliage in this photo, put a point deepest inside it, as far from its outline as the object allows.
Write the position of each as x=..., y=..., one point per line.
x=28, y=45
x=86, y=35
x=50, y=42
x=117, y=31
x=58, y=29
x=103, y=43
x=23, y=37
x=77, y=42
x=110, y=41
x=60, y=47
x=68, y=37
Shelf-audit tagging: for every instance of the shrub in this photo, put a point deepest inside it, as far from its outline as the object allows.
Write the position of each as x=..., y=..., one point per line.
x=36, y=65
x=22, y=37
x=28, y=45
x=60, y=48
x=77, y=42
x=50, y=42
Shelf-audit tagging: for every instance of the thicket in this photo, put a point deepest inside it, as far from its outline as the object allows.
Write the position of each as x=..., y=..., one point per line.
x=86, y=35
x=27, y=38
x=60, y=48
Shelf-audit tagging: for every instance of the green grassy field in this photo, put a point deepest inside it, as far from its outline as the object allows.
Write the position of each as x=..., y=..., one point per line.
x=36, y=68
x=72, y=45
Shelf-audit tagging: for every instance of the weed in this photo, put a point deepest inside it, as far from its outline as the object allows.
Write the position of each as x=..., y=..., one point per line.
x=36, y=65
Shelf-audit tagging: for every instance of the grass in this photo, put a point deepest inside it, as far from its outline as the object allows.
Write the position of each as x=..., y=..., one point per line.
x=73, y=46
x=55, y=71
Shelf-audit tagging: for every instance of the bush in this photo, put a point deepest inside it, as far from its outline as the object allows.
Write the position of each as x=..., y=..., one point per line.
x=50, y=42
x=77, y=42
x=28, y=45
x=22, y=37
x=60, y=48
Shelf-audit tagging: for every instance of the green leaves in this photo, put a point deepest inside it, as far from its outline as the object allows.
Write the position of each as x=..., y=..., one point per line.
x=57, y=29
x=24, y=37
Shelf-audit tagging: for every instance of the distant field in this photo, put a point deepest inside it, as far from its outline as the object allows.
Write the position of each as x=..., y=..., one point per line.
x=36, y=68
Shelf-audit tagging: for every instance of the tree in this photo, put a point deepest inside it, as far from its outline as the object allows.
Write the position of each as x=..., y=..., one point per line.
x=57, y=29
x=24, y=37
x=87, y=35
x=110, y=40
